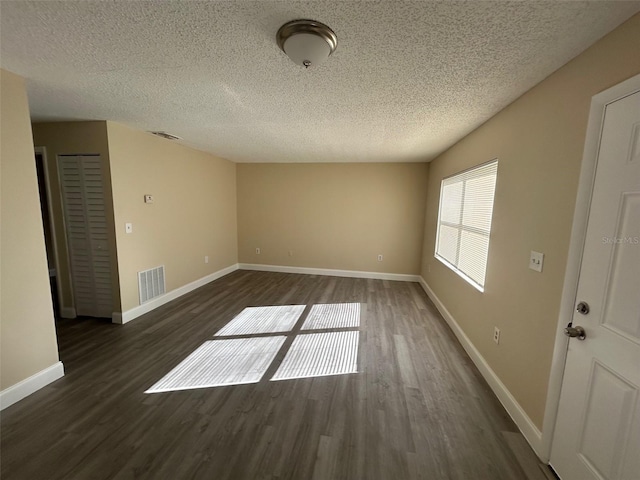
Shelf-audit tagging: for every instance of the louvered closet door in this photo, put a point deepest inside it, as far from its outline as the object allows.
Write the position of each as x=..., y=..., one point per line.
x=87, y=233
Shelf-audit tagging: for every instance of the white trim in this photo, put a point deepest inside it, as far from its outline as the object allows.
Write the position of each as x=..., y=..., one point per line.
x=576, y=245
x=68, y=312
x=399, y=277
x=511, y=405
x=26, y=387
x=135, y=312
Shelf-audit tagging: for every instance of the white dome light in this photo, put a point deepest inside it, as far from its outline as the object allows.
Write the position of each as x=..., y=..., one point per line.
x=307, y=42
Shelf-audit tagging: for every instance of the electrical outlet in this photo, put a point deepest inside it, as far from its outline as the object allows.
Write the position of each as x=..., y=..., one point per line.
x=257, y=251
x=496, y=335
x=379, y=258
x=206, y=259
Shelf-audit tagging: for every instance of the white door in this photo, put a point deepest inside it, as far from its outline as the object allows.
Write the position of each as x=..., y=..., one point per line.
x=597, y=432
x=87, y=233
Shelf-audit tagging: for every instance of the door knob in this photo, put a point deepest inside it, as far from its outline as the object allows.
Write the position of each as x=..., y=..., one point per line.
x=576, y=331
x=582, y=308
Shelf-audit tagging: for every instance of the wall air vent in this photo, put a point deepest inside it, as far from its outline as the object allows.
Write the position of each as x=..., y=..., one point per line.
x=166, y=135
x=151, y=283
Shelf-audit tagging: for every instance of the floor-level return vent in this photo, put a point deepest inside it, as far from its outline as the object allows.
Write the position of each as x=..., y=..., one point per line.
x=151, y=283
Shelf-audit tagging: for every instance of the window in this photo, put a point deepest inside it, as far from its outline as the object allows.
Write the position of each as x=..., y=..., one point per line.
x=464, y=222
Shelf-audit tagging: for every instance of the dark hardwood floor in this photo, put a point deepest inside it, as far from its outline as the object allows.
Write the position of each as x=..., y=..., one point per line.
x=417, y=409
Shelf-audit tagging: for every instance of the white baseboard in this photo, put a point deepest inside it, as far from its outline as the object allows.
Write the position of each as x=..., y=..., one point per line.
x=400, y=277
x=68, y=312
x=26, y=387
x=518, y=415
x=135, y=312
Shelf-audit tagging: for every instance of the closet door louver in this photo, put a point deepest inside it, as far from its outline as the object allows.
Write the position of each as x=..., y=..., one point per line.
x=87, y=233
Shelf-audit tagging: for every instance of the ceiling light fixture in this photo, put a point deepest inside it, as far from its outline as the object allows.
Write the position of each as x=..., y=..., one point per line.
x=307, y=42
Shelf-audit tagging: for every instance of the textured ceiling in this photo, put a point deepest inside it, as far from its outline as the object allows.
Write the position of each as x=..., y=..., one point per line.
x=408, y=78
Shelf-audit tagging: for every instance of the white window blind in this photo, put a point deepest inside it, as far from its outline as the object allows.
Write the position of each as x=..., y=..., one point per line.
x=464, y=221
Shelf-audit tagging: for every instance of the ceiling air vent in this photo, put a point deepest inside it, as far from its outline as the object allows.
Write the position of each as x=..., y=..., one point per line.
x=166, y=135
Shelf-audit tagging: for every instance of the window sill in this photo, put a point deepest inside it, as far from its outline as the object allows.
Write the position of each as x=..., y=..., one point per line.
x=461, y=274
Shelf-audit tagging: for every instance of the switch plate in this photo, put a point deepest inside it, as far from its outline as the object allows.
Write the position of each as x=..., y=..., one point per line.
x=257, y=251
x=535, y=261
x=128, y=227
x=148, y=199
x=206, y=259
x=379, y=258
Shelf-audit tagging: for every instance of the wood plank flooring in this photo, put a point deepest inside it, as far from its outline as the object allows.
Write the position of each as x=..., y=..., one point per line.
x=417, y=409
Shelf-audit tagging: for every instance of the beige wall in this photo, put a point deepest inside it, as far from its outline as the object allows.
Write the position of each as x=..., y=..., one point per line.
x=72, y=138
x=193, y=214
x=28, y=339
x=539, y=141
x=338, y=216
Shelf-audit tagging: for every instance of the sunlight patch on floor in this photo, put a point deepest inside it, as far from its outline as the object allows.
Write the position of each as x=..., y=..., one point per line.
x=253, y=320
x=222, y=362
x=236, y=361
x=320, y=354
x=333, y=315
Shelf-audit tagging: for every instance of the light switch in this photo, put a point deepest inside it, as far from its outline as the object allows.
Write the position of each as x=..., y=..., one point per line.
x=535, y=261
x=128, y=227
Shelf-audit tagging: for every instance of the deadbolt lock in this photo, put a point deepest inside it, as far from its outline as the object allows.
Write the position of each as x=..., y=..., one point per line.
x=582, y=308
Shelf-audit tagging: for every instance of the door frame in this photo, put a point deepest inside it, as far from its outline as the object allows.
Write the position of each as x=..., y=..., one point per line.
x=576, y=247
x=42, y=151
